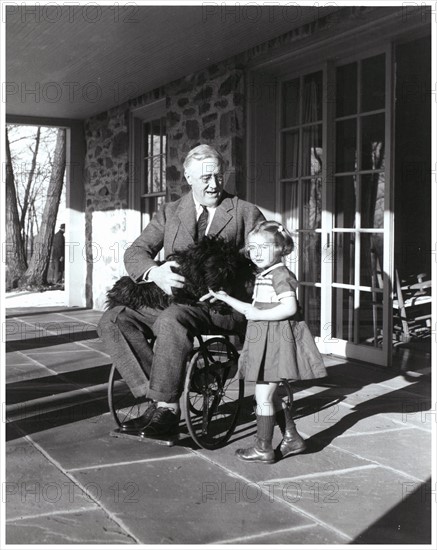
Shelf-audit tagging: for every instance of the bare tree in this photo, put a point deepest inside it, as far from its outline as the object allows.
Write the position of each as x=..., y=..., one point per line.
x=30, y=179
x=36, y=274
x=15, y=259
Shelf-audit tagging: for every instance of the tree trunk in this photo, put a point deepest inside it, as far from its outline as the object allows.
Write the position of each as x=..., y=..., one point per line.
x=30, y=180
x=15, y=259
x=40, y=261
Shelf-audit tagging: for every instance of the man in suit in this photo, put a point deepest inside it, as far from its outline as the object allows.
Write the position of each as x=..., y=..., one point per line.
x=58, y=251
x=206, y=210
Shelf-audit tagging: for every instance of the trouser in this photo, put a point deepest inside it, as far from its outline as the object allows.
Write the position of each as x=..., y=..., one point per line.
x=58, y=270
x=159, y=374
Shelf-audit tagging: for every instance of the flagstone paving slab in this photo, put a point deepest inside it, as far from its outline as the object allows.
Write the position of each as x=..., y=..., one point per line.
x=96, y=345
x=37, y=416
x=408, y=451
x=42, y=319
x=44, y=344
x=36, y=486
x=309, y=463
x=92, y=527
x=91, y=320
x=343, y=500
x=64, y=362
x=98, y=448
x=175, y=493
x=27, y=371
x=398, y=405
x=17, y=358
x=50, y=345
x=312, y=534
x=339, y=420
x=408, y=523
x=35, y=310
x=16, y=331
x=24, y=391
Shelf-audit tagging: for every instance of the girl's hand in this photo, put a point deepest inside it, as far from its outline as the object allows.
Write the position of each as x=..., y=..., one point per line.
x=253, y=314
x=214, y=296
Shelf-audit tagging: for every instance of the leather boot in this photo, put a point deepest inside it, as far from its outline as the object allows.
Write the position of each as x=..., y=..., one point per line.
x=262, y=450
x=292, y=442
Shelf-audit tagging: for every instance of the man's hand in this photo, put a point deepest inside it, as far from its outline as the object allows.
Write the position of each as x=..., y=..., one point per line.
x=165, y=278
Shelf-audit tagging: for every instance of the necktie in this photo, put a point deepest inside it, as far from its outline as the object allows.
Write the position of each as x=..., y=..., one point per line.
x=202, y=224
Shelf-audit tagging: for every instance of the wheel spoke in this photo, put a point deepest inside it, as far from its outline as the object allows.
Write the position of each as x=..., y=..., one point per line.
x=212, y=396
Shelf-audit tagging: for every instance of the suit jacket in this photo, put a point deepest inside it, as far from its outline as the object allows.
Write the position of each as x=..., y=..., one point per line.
x=174, y=225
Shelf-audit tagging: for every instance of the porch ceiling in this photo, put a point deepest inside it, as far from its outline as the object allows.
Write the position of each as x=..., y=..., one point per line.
x=77, y=61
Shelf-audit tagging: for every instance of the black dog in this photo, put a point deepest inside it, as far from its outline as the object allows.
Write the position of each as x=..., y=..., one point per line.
x=211, y=263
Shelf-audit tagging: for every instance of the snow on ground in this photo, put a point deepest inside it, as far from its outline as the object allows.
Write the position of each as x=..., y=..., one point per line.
x=30, y=298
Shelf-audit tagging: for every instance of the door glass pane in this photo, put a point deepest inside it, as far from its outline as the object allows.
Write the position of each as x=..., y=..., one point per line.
x=371, y=260
x=291, y=205
x=312, y=152
x=372, y=200
x=370, y=319
x=312, y=97
x=373, y=142
x=147, y=140
x=346, y=146
x=343, y=314
x=290, y=104
x=344, y=258
x=149, y=176
x=312, y=203
x=346, y=90
x=310, y=256
x=290, y=151
x=309, y=300
x=345, y=201
x=373, y=83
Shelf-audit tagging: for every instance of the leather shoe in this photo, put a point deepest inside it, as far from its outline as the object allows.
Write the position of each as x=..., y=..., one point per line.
x=134, y=425
x=164, y=421
x=292, y=443
x=261, y=452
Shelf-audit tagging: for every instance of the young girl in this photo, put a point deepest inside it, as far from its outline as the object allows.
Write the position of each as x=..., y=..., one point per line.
x=278, y=343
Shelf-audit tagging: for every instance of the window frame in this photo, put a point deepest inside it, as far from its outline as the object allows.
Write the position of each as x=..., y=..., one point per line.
x=139, y=117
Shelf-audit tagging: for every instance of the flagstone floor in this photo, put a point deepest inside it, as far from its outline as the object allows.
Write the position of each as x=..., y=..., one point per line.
x=365, y=478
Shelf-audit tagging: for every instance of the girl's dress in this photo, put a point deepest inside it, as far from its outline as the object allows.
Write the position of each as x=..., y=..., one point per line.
x=278, y=349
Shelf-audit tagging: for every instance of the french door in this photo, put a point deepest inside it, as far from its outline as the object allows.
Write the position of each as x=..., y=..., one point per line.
x=335, y=196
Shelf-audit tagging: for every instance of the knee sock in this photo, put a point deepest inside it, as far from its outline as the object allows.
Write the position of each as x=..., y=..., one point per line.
x=265, y=426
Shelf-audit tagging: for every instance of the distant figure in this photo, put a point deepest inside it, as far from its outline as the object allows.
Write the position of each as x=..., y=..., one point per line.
x=58, y=251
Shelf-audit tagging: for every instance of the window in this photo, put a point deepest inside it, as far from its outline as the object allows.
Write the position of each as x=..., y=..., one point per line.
x=148, y=160
x=355, y=153
x=153, y=188
x=302, y=158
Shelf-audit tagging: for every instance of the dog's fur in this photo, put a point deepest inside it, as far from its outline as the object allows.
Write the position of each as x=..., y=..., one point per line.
x=211, y=263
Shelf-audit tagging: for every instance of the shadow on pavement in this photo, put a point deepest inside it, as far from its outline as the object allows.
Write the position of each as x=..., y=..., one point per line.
x=407, y=523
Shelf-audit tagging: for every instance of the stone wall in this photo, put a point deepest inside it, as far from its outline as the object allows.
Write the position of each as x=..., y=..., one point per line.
x=206, y=107
x=106, y=189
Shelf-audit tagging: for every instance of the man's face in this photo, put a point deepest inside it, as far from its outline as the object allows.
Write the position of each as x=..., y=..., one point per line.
x=206, y=179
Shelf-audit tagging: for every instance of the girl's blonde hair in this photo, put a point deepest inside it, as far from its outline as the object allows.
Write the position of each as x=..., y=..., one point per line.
x=281, y=236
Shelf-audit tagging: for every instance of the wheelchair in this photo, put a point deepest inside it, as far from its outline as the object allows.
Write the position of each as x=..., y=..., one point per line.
x=212, y=395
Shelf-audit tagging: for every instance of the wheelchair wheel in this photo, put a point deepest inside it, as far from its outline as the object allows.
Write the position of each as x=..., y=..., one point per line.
x=122, y=403
x=212, y=395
